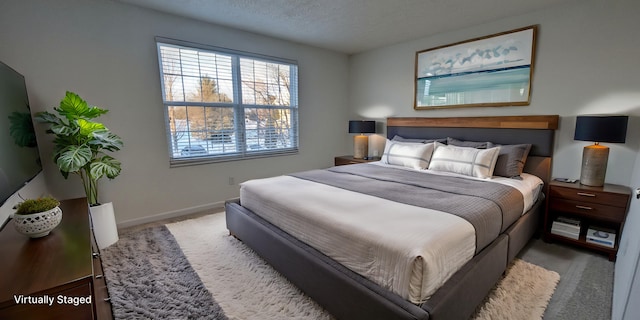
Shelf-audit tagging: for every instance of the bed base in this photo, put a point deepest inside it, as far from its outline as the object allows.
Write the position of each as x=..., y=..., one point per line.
x=348, y=295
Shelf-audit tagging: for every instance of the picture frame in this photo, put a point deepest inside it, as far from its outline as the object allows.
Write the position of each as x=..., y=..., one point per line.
x=490, y=71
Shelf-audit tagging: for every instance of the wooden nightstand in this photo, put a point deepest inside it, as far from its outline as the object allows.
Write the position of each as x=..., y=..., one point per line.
x=343, y=160
x=604, y=207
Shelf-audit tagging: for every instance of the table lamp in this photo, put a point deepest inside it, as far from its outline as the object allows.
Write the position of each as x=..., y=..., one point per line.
x=361, y=141
x=612, y=129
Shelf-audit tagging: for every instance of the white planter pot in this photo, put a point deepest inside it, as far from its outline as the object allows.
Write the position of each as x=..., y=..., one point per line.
x=39, y=224
x=103, y=220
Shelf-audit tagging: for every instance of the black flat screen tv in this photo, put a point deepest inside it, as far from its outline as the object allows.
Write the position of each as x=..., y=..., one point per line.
x=19, y=157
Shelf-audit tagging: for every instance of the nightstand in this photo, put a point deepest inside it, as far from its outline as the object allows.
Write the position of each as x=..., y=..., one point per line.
x=343, y=160
x=593, y=207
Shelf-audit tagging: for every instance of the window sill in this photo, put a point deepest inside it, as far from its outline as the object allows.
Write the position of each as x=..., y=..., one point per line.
x=193, y=161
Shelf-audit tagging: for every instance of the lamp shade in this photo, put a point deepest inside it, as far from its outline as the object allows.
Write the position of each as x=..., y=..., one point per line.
x=601, y=128
x=361, y=126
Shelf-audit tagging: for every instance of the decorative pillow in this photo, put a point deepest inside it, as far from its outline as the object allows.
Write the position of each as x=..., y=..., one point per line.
x=468, y=161
x=511, y=160
x=402, y=139
x=407, y=154
x=469, y=144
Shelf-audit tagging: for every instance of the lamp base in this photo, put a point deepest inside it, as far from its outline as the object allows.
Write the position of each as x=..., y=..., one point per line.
x=594, y=165
x=360, y=146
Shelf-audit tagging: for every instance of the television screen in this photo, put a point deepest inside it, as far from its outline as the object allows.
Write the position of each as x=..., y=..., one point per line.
x=19, y=157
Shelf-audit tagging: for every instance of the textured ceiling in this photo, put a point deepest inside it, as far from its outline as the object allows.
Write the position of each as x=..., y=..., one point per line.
x=348, y=26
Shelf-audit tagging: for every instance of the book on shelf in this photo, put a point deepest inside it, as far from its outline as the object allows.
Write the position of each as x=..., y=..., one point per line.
x=601, y=236
x=566, y=234
x=568, y=221
x=566, y=227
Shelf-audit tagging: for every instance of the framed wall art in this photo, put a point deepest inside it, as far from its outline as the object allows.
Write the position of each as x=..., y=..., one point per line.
x=491, y=71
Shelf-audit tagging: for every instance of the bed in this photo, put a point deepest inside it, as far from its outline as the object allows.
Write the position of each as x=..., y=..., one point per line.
x=337, y=283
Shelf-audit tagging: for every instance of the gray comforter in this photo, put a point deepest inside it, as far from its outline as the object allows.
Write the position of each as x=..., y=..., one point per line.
x=490, y=207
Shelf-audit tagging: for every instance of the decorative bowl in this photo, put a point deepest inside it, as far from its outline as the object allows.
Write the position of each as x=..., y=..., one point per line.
x=37, y=225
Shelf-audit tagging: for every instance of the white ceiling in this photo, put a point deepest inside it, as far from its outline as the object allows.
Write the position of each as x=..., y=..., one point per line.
x=348, y=26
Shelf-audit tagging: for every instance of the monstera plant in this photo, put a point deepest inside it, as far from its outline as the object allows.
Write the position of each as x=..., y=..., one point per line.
x=81, y=144
x=21, y=129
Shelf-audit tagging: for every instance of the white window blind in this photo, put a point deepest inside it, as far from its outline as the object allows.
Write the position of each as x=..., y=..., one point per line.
x=224, y=105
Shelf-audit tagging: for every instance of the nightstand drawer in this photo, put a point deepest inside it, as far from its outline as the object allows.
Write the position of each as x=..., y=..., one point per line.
x=610, y=199
x=593, y=210
x=344, y=160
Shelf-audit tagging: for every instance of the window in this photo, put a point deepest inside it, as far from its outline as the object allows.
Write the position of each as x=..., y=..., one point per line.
x=223, y=105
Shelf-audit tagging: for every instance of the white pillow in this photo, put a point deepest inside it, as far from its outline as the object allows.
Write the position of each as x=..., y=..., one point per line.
x=468, y=161
x=407, y=154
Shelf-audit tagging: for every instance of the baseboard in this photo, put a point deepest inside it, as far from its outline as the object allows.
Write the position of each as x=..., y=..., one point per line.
x=171, y=214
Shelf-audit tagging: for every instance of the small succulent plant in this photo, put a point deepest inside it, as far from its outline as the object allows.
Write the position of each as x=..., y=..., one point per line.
x=31, y=206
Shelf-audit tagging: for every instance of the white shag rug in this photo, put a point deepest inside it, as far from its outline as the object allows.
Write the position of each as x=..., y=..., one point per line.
x=522, y=293
x=248, y=288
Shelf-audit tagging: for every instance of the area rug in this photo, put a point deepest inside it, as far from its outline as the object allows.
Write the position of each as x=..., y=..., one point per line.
x=148, y=277
x=245, y=287
x=522, y=293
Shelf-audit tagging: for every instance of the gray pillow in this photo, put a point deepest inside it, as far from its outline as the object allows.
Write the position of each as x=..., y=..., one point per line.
x=469, y=144
x=402, y=139
x=511, y=160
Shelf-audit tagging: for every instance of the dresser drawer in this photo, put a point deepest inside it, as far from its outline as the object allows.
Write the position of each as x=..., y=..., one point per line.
x=101, y=301
x=593, y=210
x=604, y=198
x=66, y=304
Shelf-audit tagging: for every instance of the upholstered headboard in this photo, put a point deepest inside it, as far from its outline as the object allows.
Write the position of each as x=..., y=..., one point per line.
x=539, y=131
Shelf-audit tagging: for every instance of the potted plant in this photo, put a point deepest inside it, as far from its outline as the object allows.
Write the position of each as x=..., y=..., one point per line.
x=37, y=217
x=81, y=147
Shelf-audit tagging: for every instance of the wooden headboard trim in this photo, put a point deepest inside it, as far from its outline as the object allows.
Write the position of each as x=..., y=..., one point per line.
x=537, y=130
x=505, y=122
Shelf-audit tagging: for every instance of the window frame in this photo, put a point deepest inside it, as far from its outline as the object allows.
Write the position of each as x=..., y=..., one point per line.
x=238, y=106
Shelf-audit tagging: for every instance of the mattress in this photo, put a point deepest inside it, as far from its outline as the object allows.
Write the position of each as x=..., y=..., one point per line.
x=530, y=186
x=407, y=249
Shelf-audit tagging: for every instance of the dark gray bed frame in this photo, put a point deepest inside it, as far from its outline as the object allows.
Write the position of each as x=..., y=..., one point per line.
x=348, y=295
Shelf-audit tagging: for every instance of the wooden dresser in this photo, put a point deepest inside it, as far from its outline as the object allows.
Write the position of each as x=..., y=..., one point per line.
x=64, y=267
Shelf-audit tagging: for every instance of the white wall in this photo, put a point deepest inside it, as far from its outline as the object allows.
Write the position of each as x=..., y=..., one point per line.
x=105, y=51
x=626, y=291
x=586, y=63
x=35, y=188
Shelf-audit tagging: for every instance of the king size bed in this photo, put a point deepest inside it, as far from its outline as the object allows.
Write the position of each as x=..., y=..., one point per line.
x=424, y=233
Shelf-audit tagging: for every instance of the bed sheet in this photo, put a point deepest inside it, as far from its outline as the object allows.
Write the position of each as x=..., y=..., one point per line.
x=406, y=249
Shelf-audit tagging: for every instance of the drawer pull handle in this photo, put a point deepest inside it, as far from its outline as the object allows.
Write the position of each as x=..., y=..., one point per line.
x=583, y=207
x=586, y=194
x=95, y=254
x=99, y=276
x=107, y=299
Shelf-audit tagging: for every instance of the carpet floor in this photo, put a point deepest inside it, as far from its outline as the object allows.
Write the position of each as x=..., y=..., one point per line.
x=245, y=287
x=586, y=288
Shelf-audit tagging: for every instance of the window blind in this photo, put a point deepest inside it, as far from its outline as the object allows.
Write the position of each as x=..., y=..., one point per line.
x=223, y=105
